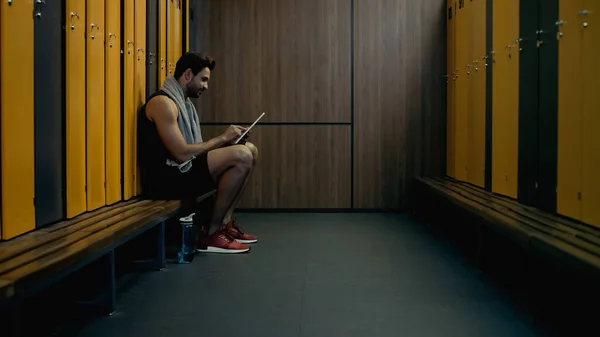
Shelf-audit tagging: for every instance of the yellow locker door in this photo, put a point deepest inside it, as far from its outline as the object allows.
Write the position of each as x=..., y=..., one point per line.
x=590, y=23
x=450, y=89
x=505, y=106
x=462, y=93
x=75, y=107
x=128, y=99
x=162, y=48
x=95, y=104
x=178, y=30
x=570, y=109
x=113, y=101
x=170, y=36
x=17, y=121
x=140, y=82
x=479, y=93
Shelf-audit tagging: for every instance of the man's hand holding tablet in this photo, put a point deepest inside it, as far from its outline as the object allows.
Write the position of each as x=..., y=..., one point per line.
x=244, y=135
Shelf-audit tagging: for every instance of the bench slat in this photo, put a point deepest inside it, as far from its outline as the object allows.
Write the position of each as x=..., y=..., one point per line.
x=550, y=227
x=512, y=229
x=537, y=213
x=59, y=240
x=561, y=241
x=25, y=275
x=19, y=246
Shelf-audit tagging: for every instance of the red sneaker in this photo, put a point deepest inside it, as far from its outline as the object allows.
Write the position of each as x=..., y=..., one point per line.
x=221, y=242
x=237, y=232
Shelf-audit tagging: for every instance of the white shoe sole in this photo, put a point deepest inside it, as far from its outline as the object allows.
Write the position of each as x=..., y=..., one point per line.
x=246, y=241
x=221, y=250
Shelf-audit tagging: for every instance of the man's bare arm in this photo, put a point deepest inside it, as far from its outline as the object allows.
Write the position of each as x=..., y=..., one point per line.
x=163, y=112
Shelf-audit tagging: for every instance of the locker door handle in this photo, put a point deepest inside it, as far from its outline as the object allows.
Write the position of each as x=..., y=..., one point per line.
x=129, y=42
x=111, y=35
x=73, y=14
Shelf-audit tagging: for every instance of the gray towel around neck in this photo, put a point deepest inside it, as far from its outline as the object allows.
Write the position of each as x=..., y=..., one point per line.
x=188, y=120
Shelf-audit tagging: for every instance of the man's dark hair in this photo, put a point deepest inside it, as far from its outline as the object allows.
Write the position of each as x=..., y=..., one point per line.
x=194, y=61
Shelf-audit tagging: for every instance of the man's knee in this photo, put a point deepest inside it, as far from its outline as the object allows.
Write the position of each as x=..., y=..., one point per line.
x=232, y=156
x=243, y=155
x=253, y=149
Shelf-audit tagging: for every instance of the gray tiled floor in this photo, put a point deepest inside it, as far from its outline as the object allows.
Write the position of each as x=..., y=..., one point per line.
x=316, y=275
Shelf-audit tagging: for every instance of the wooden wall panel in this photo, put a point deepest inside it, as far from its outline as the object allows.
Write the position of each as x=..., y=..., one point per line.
x=399, y=95
x=113, y=100
x=289, y=58
x=95, y=103
x=293, y=60
x=17, y=119
x=75, y=107
x=313, y=173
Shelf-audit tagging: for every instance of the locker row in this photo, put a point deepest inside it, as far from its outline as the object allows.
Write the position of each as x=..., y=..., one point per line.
x=522, y=103
x=73, y=75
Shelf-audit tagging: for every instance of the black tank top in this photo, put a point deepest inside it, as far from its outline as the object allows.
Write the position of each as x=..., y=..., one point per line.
x=152, y=153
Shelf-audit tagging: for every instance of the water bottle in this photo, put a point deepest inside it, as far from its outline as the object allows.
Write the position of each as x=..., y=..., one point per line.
x=188, y=242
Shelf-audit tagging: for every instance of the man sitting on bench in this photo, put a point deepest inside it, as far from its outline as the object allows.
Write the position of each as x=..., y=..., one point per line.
x=175, y=163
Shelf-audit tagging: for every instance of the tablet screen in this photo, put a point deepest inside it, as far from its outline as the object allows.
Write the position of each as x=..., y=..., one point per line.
x=248, y=129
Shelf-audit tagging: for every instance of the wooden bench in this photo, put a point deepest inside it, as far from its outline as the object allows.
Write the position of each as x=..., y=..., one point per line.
x=43, y=257
x=544, y=234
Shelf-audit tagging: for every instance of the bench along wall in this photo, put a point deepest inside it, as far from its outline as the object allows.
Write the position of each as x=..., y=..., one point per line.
x=73, y=74
x=522, y=104
x=353, y=91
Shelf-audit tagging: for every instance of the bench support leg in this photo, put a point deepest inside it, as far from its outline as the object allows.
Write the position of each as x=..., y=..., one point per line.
x=104, y=299
x=110, y=299
x=158, y=262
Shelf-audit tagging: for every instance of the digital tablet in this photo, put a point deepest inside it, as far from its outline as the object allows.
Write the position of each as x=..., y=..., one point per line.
x=248, y=129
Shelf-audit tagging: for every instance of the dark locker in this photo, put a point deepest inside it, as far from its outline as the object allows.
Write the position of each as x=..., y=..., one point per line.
x=152, y=45
x=49, y=106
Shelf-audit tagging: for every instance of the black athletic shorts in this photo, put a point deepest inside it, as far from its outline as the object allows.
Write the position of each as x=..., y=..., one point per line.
x=178, y=185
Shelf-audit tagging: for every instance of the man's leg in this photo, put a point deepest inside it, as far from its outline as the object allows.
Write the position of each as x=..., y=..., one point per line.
x=230, y=167
x=254, y=152
x=233, y=229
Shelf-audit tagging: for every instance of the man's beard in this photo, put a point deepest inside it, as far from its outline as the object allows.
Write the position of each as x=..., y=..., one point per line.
x=194, y=92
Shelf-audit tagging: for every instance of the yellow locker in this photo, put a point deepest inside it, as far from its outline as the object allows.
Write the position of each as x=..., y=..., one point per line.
x=17, y=117
x=75, y=108
x=505, y=106
x=451, y=89
x=462, y=92
x=570, y=109
x=162, y=48
x=139, y=82
x=113, y=100
x=177, y=31
x=95, y=104
x=128, y=99
x=590, y=23
x=170, y=37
